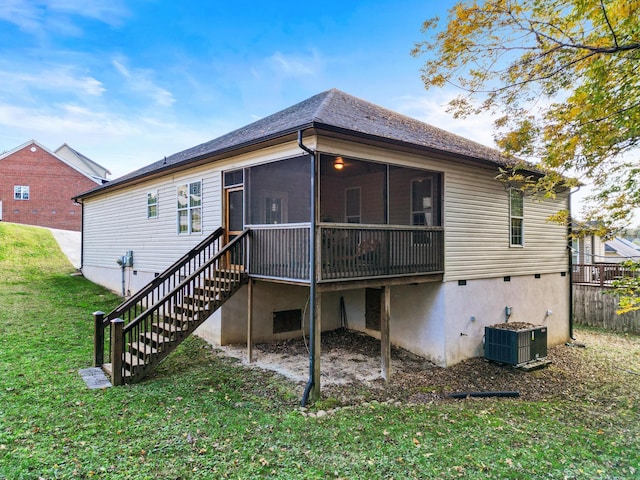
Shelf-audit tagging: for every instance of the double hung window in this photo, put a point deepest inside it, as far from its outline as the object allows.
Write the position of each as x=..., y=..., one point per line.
x=152, y=204
x=190, y=208
x=516, y=217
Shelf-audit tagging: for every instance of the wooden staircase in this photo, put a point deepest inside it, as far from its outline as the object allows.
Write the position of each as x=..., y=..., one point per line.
x=150, y=325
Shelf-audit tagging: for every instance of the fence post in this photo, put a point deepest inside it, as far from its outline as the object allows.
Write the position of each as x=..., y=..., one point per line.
x=117, y=326
x=98, y=338
x=601, y=272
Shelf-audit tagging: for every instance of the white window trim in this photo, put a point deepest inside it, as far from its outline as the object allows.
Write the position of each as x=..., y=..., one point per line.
x=154, y=192
x=428, y=219
x=22, y=189
x=511, y=217
x=189, y=209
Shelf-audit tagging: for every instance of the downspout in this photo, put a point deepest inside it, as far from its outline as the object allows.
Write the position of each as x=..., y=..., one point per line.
x=570, y=249
x=312, y=271
x=81, y=236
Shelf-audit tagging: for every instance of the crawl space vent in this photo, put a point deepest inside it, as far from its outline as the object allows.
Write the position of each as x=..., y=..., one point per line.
x=287, y=321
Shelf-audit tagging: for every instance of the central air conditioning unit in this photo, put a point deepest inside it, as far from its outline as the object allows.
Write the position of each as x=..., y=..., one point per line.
x=515, y=343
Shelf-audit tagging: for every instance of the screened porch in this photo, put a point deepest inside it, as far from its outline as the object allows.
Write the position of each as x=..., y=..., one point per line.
x=373, y=219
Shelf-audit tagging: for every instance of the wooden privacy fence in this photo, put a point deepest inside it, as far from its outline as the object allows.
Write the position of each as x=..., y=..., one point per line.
x=594, y=307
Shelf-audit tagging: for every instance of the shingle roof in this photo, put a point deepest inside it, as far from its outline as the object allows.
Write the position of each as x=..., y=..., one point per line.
x=331, y=109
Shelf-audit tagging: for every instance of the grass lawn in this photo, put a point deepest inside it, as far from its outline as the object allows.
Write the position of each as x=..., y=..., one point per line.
x=201, y=416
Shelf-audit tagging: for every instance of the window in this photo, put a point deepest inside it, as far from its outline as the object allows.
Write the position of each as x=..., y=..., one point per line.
x=190, y=208
x=152, y=204
x=275, y=207
x=352, y=205
x=422, y=202
x=516, y=216
x=21, y=192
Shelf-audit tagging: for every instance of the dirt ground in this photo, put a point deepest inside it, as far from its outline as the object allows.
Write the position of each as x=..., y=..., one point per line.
x=350, y=363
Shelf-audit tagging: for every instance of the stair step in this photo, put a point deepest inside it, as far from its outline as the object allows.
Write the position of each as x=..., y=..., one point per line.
x=198, y=299
x=207, y=291
x=132, y=361
x=154, y=339
x=167, y=328
x=107, y=368
x=219, y=281
x=178, y=319
x=143, y=348
x=187, y=309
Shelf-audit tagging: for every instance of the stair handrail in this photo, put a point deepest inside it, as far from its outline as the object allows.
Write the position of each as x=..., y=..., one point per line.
x=185, y=283
x=236, y=272
x=140, y=294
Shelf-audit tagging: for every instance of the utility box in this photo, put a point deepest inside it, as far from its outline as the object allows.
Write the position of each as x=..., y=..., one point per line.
x=515, y=343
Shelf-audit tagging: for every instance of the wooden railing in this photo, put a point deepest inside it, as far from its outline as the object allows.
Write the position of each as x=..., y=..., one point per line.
x=363, y=251
x=280, y=251
x=218, y=276
x=347, y=251
x=600, y=274
x=152, y=293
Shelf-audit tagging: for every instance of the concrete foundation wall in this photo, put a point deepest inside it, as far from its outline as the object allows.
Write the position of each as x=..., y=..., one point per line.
x=443, y=322
x=229, y=324
x=482, y=302
x=111, y=278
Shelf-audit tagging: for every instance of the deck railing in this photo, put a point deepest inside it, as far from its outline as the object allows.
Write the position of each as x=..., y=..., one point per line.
x=363, y=251
x=601, y=274
x=347, y=251
x=280, y=251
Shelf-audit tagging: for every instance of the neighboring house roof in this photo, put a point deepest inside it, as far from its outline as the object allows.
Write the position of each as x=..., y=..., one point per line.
x=83, y=162
x=624, y=248
x=64, y=160
x=332, y=111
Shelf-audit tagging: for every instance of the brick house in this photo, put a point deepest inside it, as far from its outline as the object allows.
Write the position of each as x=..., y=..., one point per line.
x=37, y=185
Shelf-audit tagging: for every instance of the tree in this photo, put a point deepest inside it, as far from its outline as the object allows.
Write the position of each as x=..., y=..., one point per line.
x=562, y=78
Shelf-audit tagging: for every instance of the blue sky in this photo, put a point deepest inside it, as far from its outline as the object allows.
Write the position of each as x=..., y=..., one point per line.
x=127, y=82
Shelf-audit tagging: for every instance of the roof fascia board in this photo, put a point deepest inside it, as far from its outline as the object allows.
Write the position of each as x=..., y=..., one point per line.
x=198, y=160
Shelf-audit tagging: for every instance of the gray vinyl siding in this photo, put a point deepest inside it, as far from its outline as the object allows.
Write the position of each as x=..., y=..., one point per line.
x=115, y=222
x=476, y=218
x=477, y=235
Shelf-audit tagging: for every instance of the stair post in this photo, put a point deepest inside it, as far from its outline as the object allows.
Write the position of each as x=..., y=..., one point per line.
x=98, y=338
x=117, y=325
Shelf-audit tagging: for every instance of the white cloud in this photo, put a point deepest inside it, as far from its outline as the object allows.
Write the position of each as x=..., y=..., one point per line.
x=33, y=16
x=61, y=79
x=110, y=12
x=139, y=81
x=295, y=65
x=431, y=108
x=47, y=18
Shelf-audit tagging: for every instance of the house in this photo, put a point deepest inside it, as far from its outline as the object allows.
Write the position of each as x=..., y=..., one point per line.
x=618, y=250
x=329, y=213
x=587, y=249
x=84, y=164
x=37, y=185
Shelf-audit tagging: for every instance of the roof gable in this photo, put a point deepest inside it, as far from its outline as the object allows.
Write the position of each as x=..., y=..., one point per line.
x=37, y=144
x=83, y=162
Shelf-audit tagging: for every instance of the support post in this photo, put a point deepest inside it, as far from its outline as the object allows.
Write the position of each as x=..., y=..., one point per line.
x=117, y=325
x=385, y=343
x=98, y=339
x=250, y=321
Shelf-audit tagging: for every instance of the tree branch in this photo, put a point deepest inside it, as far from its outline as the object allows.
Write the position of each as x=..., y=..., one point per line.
x=606, y=17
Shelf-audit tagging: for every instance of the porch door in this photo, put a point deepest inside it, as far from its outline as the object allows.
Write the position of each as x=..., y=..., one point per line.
x=234, y=215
